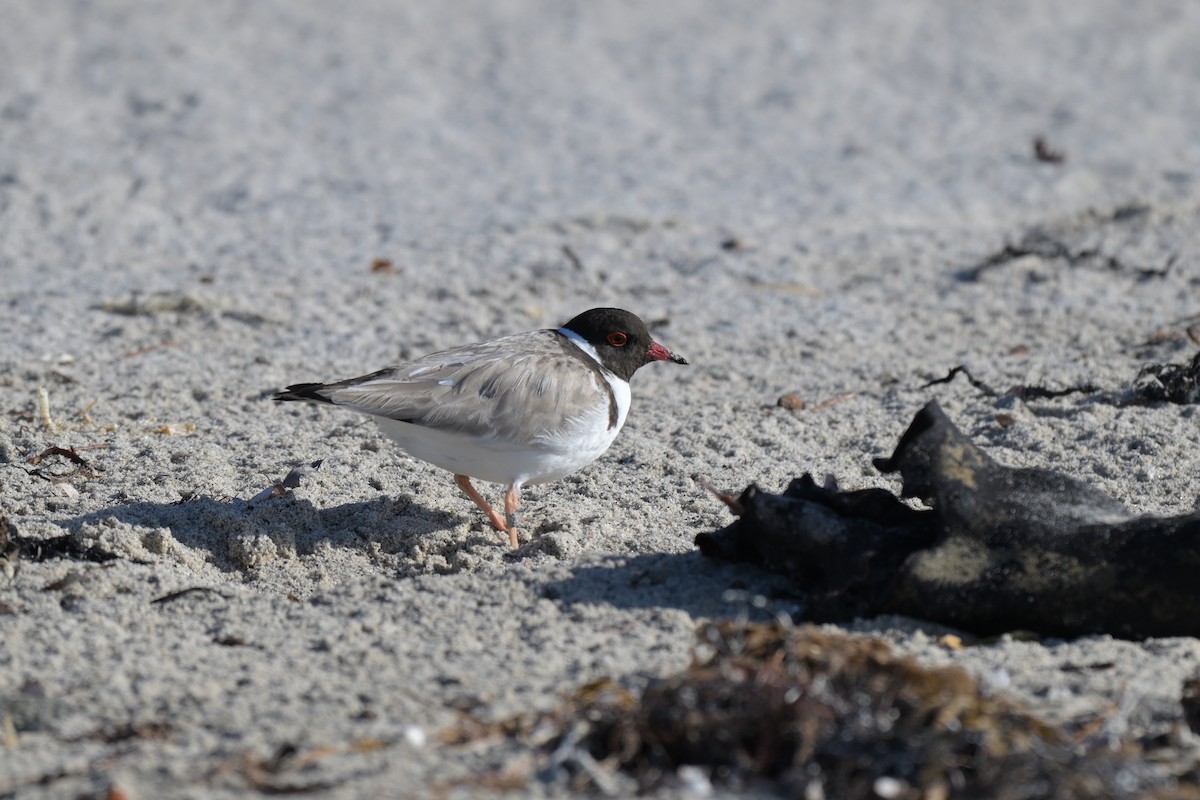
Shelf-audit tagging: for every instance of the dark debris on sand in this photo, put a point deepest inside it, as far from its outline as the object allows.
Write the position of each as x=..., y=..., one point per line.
x=14, y=546
x=809, y=713
x=998, y=548
x=1112, y=240
x=1154, y=383
x=1173, y=383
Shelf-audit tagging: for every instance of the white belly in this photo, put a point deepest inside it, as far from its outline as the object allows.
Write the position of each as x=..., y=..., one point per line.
x=545, y=460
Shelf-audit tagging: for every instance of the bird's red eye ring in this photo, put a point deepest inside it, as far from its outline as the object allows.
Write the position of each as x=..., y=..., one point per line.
x=617, y=339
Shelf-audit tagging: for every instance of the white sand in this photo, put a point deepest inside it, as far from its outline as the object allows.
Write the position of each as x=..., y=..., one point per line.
x=191, y=198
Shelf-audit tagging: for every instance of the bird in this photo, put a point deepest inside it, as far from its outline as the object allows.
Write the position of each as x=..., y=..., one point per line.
x=518, y=410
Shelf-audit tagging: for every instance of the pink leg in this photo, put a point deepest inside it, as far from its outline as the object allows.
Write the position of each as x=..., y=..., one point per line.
x=512, y=494
x=464, y=483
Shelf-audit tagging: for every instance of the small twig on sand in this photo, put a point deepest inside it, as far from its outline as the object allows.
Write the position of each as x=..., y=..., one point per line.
x=726, y=498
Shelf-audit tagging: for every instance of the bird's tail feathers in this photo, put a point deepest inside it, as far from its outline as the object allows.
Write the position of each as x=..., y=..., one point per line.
x=310, y=392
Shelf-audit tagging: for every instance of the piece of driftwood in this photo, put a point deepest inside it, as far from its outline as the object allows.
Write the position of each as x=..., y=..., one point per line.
x=999, y=549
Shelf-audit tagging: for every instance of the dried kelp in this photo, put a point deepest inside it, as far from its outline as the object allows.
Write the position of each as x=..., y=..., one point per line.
x=14, y=546
x=816, y=714
x=1174, y=383
x=1024, y=392
x=1154, y=383
x=999, y=549
x=1128, y=240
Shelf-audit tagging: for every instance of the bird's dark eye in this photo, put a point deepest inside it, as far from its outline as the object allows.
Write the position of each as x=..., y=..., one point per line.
x=617, y=339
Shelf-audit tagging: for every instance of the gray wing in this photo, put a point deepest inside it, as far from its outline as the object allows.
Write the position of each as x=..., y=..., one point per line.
x=485, y=391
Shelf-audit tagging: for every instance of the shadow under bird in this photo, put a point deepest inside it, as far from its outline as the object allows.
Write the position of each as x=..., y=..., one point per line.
x=518, y=410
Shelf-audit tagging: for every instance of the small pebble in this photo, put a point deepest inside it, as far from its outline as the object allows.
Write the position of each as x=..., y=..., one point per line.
x=790, y=401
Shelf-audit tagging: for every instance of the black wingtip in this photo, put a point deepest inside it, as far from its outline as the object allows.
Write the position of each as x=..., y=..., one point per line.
x=310, y=392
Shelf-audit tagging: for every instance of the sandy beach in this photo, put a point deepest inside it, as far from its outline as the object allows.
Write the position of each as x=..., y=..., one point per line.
x=201, y=203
